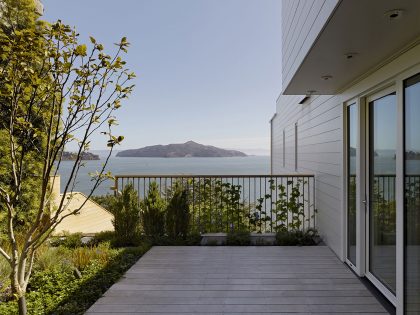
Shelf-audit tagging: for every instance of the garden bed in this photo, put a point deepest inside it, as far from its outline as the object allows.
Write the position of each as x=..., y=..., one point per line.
x=69, y=280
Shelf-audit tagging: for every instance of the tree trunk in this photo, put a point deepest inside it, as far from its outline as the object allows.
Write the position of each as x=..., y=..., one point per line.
x=22, y=305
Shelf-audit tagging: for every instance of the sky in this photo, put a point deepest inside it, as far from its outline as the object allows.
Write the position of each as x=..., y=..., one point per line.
x=207, y=70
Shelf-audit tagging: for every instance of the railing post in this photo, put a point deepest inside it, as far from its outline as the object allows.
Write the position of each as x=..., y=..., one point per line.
x=116, y=186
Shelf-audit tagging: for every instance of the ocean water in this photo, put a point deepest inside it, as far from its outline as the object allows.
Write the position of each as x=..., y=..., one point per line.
x=250, y=165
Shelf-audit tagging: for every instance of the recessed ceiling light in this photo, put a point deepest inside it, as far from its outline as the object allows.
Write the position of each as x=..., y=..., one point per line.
x=350, y=55
x=326, y=77
x=394, y=14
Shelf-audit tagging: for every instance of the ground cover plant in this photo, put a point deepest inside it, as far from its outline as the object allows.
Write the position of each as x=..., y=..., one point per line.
x=68, y=279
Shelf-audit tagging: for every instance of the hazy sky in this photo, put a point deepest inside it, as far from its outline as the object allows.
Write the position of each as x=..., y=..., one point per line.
x=208, y=70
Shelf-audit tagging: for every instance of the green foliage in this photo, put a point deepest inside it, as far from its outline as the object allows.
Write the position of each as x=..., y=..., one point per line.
x=126, y=211
x=54, y=287
x=153, y=213
x=259, y=218
x=18, y=20
x=238, y=238
x=297, y=237
x=82, y=256
x=17, y=15
x=51, y=87
x=287, y=208
x=105, y=201
x=67, y=240
x=218, y=206
x=51, y=257
x=192, y=239
x=102, y=237
x=178, y=214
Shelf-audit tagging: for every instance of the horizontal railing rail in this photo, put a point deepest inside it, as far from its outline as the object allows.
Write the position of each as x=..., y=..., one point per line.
x=222, y=203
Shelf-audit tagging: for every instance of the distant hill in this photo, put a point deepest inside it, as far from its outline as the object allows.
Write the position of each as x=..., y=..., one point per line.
x=70, y=156
x=187, y=149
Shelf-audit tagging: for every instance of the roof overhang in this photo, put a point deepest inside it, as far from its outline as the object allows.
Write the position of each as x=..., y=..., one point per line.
x=358, y=38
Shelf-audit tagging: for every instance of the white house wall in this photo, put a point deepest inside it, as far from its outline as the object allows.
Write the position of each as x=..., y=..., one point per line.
x=319, y=152
x=302, y=21
x=320, y=142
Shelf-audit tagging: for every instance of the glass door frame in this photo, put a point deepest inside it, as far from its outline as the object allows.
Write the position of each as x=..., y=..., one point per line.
x=359, y=266
x=366, y=160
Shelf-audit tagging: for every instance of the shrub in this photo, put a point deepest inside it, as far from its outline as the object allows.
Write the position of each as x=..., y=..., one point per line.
x=51, y=257
x=153, y=213
x=178, y=214
x=57, y=290
x=126, y=220
x=297, y=237
x=68, y=240
x=238, y=238
x=193, y=239
x=83, y=256
x=102, y=237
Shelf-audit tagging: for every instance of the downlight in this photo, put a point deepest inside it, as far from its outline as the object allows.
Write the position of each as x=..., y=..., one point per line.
x=394, y=14
x=350, y=55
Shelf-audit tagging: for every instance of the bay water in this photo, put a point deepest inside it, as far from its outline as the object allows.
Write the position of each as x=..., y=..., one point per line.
x=250, y=165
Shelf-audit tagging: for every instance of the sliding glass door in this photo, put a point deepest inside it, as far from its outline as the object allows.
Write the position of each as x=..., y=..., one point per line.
x=382, y=143
x=412, y=194
x=383, y=191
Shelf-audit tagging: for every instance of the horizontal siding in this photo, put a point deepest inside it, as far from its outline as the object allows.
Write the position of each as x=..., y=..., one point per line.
x=320, y=143
x=303, y=20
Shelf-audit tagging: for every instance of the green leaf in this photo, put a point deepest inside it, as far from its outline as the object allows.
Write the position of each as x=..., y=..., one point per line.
x=80, y=50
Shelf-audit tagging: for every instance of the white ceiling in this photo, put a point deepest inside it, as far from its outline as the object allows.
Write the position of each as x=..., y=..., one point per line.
x=356, y=26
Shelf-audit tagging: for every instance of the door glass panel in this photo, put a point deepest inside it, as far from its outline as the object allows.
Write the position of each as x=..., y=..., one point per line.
x=412, y=194
x=382, y=206
x=351, y=182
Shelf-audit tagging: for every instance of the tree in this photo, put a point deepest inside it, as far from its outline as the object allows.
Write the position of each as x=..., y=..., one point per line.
x=54, y=93
x=16, y=16
x=153, y=213
x=126, y=211
x=178, y=214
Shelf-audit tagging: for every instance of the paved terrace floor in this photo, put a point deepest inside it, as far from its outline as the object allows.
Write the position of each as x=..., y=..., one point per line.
x=238, y=280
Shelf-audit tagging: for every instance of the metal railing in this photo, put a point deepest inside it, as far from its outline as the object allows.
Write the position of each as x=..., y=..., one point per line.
x=221, y=203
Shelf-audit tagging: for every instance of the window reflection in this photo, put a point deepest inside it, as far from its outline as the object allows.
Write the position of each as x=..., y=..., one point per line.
x=382, y=221
x=412, y=194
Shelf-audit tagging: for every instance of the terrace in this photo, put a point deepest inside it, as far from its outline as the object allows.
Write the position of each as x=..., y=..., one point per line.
x=232, y=279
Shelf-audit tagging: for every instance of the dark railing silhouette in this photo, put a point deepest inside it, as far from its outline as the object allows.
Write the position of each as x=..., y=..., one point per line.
x=383, y=204
x=221, y=203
